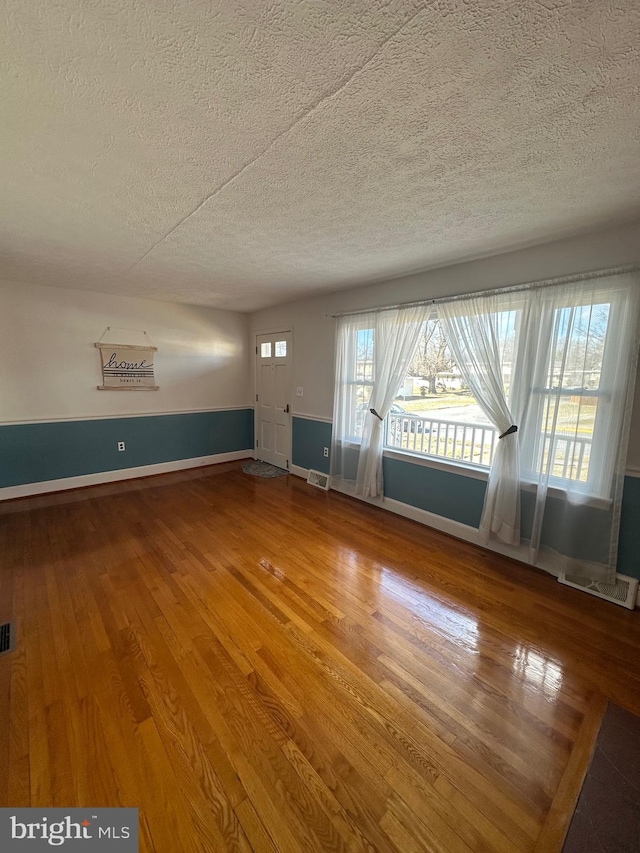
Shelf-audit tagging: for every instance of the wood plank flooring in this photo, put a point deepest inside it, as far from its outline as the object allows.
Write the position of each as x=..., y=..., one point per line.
x=258, y=665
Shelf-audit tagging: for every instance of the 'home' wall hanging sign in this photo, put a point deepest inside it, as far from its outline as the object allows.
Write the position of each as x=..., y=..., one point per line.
x=126, y=367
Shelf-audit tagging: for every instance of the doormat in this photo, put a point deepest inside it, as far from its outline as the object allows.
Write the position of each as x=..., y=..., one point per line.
x=262, y=469
x=607, y=817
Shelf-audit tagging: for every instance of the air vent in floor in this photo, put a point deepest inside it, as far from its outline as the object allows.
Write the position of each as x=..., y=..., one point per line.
x=7, y=634
x=317, y=478
x=623, y=591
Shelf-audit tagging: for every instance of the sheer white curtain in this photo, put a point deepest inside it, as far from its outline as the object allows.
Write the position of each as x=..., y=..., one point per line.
x=373, y=355
x=575, y=439
x=481, y=333
x=559, y=362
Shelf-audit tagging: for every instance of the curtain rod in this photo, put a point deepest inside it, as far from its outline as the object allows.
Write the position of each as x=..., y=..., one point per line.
x=531, y=285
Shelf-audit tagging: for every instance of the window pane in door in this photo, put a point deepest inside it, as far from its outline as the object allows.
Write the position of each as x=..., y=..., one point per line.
x=281, y=349
x=265, y=350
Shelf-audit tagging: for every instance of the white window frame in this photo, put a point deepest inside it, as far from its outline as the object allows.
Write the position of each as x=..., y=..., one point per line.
x=354, y=382
x=597, y=484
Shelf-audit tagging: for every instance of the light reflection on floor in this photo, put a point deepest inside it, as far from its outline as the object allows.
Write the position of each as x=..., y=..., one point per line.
x=531, y=667
x=453, y=623
x=538, y=670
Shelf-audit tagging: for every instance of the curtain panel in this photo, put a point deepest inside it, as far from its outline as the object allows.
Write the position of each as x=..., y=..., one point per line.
x=373, y=356
x=490, y=336
x=553, y=369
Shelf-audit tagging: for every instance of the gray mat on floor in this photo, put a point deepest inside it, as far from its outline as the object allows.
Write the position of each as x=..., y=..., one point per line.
x=262, y=469
x=607, y=817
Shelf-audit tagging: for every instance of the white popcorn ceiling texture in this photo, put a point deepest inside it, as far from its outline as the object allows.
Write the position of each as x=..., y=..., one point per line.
x=241, y=153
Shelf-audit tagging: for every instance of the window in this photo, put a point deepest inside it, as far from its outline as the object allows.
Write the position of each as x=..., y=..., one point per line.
x=570, y=410
x=574, y=399
x=281, y=349
x=360, y=371
x=551, y=365
x=265, y=349
x=435, y=413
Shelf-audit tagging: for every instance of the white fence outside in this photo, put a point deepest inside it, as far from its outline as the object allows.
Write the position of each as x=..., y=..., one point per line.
x=475, y=443
x=465, y=442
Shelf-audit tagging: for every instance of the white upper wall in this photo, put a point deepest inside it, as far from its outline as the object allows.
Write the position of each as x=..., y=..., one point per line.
x=50, y=369
x=313, y=327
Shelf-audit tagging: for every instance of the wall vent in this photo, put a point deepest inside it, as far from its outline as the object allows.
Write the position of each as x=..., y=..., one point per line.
x=318, y=479
x=7, y=637
x=622, y=592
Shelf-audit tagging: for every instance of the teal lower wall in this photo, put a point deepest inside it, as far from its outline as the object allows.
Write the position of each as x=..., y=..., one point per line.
x=33, y=453
x=460, y=498
x=453, y=496
x=309, y=440
x=629, y=542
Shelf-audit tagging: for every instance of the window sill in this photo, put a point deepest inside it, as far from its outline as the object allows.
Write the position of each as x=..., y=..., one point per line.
x=453, y=467
x=585, y=499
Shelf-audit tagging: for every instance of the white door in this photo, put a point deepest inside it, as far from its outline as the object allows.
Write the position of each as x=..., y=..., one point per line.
x=273, y=421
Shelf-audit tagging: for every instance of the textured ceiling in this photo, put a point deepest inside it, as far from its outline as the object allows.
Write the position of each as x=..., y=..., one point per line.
x=241, y=153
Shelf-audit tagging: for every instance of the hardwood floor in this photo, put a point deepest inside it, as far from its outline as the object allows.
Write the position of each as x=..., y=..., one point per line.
x=258, y=665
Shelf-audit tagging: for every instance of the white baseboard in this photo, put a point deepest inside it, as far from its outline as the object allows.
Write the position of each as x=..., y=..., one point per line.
x=455, y=528
x=439, y=522
x=298, y=471
x=430, y=519
x=46, y=486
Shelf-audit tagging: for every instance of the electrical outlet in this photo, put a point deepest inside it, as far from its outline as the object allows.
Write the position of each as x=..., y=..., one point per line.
x=121, y=445
x=299, y=391
x=326, y=451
